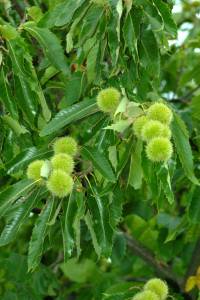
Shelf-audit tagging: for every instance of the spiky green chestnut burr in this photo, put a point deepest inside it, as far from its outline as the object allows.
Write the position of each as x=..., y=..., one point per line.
x=166, y=132
x=152, y=129
x=34, y=170
x=159, y=149
x=108, y=100
x=138, y=125
x=63, y=162
x=160, y=112
x=158, y=286
x=66, y=145
x=60, y=183
x=146, y=295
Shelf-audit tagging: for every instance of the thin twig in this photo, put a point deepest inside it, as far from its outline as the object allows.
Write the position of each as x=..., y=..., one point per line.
x=162, y=269
x=187, y=97
x=147, y=256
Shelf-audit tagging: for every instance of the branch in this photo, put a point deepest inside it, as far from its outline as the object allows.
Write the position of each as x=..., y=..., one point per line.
x=148, y=256
x=161, y=268
x=185, y=99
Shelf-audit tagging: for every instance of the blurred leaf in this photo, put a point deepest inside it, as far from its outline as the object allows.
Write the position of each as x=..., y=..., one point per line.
x=195, y=106
x=190, y=283
x=78, y=271
x=35, y=13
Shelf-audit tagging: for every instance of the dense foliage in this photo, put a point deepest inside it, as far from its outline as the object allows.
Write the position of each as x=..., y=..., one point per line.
x=99, y=140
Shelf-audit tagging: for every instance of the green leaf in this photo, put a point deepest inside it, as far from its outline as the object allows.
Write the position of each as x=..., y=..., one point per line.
x=136, y=172
x=133, y=110
x=120, y=126
x=113, y=41
x=77, y=221
x=20, y=216
x=90, y=225
x=22, y=160
x=46, y=169
x=129, y=34
x=51, y=45
x=68, y=231
x=38, y=236
x=26, y=98
x=72, y=114
x=8, y=32
x=6, y=97
x=170, y=25
x=125, y=156
x=92, y=63
x=153, y=15
x=14, y=125
x=121, y=290
x=35, y=13
x=195, y=106
x=100, y=216
x=1, y=57
x=14, y=192
x=57, y=15
x=194, y=206
x=79, y=271
x=150, y=56
x=73, y=90
x=181, y=140
x=90, y=23
x=73, y=213
x=100, y=162
x=149, y=171
x=28, y=90
x=70, y=7
x=114, y=30
x=112, y=153
x=164, y=178
x=122, y=107
x=48, y=74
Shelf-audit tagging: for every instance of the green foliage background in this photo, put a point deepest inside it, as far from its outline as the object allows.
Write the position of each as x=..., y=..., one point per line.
x=127, y=219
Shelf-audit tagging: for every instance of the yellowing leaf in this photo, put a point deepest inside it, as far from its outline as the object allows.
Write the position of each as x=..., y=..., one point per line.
x=198, y=281
x=190, y=284
x=198, y=271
